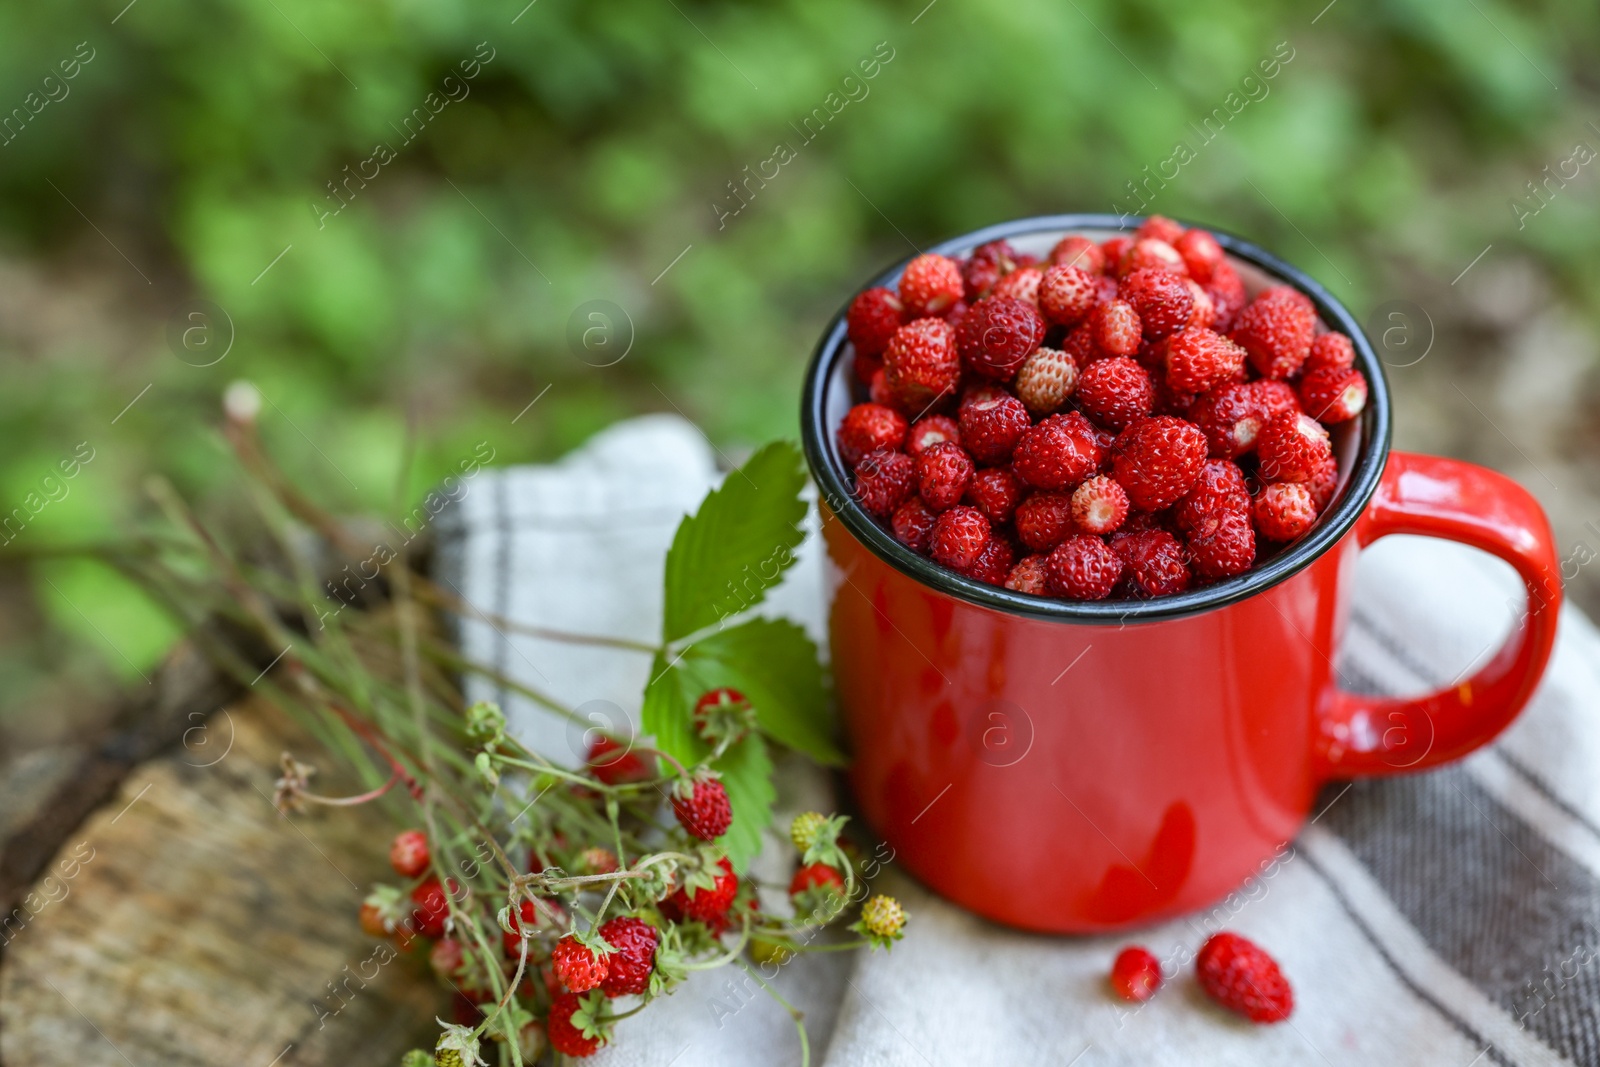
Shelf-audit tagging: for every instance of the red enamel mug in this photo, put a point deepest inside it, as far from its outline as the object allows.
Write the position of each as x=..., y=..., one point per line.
x=1081, y=767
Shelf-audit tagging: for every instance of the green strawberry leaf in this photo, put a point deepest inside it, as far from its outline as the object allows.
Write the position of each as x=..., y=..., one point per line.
x=774, y=664
x=668, y=711
x=727, y=555
x=746, y=771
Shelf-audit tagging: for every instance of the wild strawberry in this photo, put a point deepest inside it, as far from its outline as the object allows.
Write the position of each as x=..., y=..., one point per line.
x=1232, y=415
x=1276, y=331
x=1116, y=328
x=1067, y=294
x=614, y=762
x=1198, y=359
x=1061, y=451
x=997, y=334
x=1160, y=228
x=1292, y=448
x=1136, y=973
x=1241, y=977
x=372, y=920
x=929, y=431
x=806, y=829
x=1078, y=251
x=580, y=967
x=1328, y=352
x=717, y=714
x=1200, y=252
x=957, y=312
x=1115, y=392
x=816, y=876
x=1284, y=510
x=565, y=1037
x=1021, y=284
x=866, y=428
x=1044, y=519
x=1030, y=575
x=993, y=564
x=991, y=427
x=408, y=853
x=996, y=492
x=1154, y=561
x=943, y=474
x=921, y=363
x=1083, y=567
x=1161, y=299
x=1148, y=253
x=1080, y=347
x=1227, y=297
x=913, y=525
x=599, y=860
x=866, y=367
x=1114, y=249
x=873, y=318
x=1221, y=487
x=878, y=390
x=702, y=808
x=1333, y=395
x=1045, y=380
x=986, y=266
x=1205, y=311
x=445, y=957
x=432, y=907
x=1157, y=460
x=1283, y=291
x=959, y=536
x=1223, y=547
x=1323, y=483
x=708, y=906
x=884, y=480
x=1099, y=505
x=628, y=968
x=930, y=284
x=883, y=917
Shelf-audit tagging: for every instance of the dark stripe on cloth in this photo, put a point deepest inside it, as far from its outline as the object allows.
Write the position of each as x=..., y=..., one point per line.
x=1422, y=994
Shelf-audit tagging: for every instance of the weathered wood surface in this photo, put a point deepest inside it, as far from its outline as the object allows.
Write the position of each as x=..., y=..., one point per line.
x=184, y=922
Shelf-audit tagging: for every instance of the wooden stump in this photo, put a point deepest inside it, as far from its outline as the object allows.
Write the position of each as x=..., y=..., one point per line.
x=185, y=922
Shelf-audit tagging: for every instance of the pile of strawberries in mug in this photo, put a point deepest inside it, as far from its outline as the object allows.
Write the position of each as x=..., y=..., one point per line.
x=1115, y=421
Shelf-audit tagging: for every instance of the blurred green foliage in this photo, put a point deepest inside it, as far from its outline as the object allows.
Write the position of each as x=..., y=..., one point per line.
x=192, y=155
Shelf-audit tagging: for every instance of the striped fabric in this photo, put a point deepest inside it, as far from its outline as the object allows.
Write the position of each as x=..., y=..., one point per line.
x=1447, y=918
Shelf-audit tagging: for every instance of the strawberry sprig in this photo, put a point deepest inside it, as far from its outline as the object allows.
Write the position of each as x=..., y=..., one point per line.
x=553, y=901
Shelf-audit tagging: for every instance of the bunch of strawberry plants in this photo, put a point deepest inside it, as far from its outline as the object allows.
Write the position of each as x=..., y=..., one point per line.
x=553, y=901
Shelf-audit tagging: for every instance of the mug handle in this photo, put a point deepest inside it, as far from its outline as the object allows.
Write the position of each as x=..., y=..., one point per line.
x=1366, y=735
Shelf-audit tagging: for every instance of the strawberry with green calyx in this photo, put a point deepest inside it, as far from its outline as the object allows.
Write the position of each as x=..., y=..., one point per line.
x=386, y=913
x=817, y=837
x=580, y=960
x=882, y=921
x=578, y=1025
x=702, y=807
x=818, y=891
x=723, y=716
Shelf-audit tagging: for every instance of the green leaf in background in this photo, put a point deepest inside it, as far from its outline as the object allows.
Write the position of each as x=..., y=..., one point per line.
x=727, y=555
x=667, y=715
x=746, y=771
x=774, y=664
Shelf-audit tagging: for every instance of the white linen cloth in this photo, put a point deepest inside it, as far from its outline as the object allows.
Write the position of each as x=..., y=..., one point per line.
x=1446, y=918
